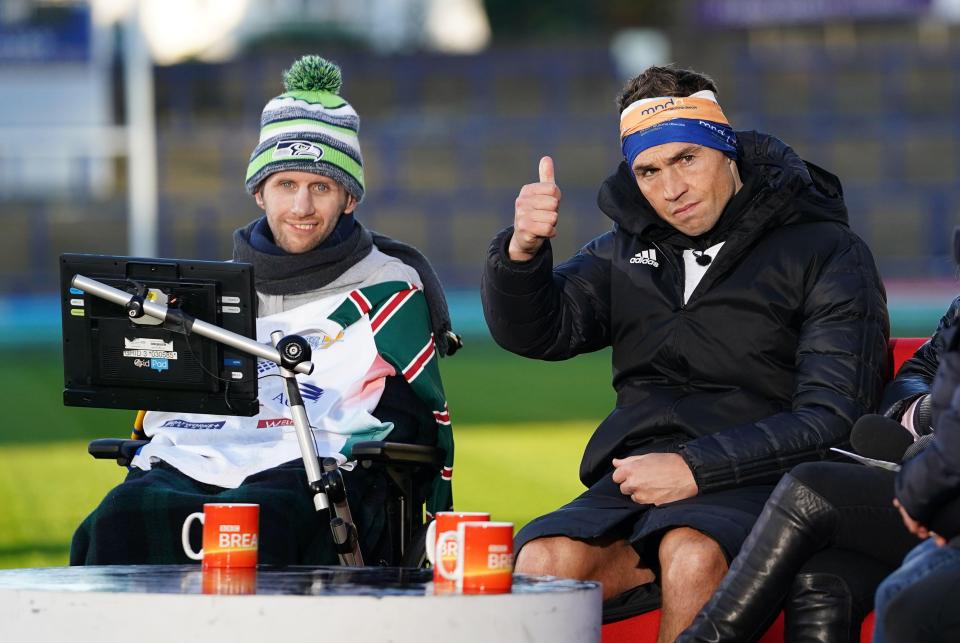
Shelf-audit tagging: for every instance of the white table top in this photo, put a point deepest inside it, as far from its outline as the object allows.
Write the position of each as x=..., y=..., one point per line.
x=167, y=603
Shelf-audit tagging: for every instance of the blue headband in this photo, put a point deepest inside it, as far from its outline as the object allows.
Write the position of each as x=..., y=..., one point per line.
x=681, y=130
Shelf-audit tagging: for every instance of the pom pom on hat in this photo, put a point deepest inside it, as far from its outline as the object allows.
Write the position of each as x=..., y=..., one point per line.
x=313, y=74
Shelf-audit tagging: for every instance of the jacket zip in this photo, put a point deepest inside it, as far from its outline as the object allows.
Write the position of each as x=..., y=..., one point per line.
x=677, y=267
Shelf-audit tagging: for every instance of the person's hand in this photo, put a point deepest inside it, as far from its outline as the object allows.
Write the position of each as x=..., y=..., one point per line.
x=535, y=214
x=654, y=478
x=915, y=528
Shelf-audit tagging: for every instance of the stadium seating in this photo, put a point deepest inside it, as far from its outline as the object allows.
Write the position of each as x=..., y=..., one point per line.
x=643, y=628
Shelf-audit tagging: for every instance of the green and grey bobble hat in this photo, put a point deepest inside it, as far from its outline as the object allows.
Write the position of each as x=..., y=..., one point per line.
x=309, y=128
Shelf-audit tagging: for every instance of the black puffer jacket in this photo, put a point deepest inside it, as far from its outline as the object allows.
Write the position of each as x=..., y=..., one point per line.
x=930, y=482
x=914, y=377
x=778, y=350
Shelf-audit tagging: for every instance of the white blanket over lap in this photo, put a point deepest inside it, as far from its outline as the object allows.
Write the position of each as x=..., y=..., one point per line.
x=339, y=396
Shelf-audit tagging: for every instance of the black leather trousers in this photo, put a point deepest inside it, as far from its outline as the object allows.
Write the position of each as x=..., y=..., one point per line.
x=826, y=537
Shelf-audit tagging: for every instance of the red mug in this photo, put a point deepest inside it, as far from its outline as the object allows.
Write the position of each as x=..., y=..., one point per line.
x=484, y=557
x=230, y=535
x=444, y=522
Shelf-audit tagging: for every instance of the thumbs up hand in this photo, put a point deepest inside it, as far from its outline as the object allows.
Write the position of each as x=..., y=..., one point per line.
x=535, y=214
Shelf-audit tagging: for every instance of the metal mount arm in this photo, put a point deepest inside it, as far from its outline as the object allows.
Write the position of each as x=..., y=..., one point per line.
x=326, y=482
x=138, y=306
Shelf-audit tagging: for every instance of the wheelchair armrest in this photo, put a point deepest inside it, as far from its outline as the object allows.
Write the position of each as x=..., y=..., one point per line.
x=115, y=449
x=396, y=453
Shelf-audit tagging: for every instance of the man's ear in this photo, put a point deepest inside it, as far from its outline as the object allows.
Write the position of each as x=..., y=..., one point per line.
x=351, y=204
x=258, y=197
x=735, y=172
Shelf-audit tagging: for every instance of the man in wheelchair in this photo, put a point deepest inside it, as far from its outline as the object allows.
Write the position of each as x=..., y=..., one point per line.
x=372, y=309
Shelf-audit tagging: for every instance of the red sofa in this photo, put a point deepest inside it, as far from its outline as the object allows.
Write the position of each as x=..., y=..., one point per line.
x=643, y=627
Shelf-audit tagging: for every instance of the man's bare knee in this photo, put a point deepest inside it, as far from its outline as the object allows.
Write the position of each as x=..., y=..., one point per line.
x=691, y=558
x=553, y=556
x=692, y=566
x=612, y=563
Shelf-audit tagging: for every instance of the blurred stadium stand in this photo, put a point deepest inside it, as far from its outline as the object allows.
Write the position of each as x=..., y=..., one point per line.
x=447, y=141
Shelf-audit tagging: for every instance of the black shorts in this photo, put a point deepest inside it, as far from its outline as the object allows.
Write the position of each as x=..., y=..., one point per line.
x=603, y=512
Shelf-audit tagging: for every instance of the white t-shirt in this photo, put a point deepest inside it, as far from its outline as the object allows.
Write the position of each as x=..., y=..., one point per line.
x=693, y=272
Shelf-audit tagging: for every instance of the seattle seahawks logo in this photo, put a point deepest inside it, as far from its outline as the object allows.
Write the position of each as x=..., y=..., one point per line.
x=297, y=150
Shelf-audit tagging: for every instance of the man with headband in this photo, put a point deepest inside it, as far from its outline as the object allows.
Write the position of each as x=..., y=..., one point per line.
x=748, y=326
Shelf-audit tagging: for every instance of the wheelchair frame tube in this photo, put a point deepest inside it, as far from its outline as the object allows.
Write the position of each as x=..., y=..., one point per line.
x=342, y=528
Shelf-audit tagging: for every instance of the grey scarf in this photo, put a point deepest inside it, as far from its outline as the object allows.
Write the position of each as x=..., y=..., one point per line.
x=295, y=273
x=289, y=274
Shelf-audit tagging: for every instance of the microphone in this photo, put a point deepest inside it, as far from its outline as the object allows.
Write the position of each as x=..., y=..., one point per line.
x=880, y=438
x=702, y=258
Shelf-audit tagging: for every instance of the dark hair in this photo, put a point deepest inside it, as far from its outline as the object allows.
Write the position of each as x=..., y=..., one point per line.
x=664, y=81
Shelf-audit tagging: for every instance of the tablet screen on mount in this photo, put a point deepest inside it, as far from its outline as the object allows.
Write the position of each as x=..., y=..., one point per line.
x=112, y=361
